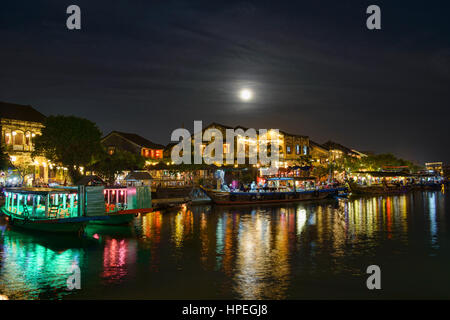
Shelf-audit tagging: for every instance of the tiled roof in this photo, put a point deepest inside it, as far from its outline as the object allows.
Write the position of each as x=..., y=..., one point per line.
x=137, y=139
x=331, y=145
x=138, y=175
x=315, y=144
x=20, y=112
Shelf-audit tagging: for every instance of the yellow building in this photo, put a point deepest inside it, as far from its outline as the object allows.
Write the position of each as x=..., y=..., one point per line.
x=436, y=167
x=19, y=126
x=337, y=151
x=293, y=148
x=319, y=154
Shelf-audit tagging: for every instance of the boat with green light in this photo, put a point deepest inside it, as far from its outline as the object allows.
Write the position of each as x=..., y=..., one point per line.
x=44, y=209
x=70, y=209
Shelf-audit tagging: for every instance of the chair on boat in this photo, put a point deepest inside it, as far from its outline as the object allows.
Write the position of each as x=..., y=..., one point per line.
x=53, y=211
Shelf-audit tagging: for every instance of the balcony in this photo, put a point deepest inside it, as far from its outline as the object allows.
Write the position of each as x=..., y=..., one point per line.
x=18, y=147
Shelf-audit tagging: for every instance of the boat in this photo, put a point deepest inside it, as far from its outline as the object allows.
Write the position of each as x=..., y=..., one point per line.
x=70, y=209
x=378, y=189
x=44, y=209
x=278, y=193
x=123, y=204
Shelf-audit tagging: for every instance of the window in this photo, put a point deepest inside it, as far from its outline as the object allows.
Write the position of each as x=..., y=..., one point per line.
x=305, y=149
x=226, y=148
x=297, y=149
x=111, y=150
x=8, y=138
x=28, y=138
x=18, y=137
x=288, y=149
x=158, y=154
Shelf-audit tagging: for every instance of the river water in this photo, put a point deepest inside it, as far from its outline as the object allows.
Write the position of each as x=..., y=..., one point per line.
x=309, y=250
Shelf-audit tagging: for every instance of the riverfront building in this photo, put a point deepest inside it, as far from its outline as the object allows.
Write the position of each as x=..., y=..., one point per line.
x=338, y=151
x=20, y=124
x=133, y=143
x=293, y=148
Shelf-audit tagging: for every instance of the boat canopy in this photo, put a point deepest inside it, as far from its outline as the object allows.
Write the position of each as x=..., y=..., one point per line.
x=42, y=203
x=290, y=178
x=385, y=174
x=41, y=191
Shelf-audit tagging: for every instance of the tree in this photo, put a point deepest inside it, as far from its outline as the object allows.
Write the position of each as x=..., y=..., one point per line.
x=377, y=161
x=70, y=141
x=5, y=163
x=320, y=171
x=23, y=170
x=373, y=162
x=107, y=165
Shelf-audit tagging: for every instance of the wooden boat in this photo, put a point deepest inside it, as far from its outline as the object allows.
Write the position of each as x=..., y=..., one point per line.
x=275, y=195
x=44, y=209
x=428, y=186
x=122, y=204
x=379, y=189
x=70, y=209
x=113, y=219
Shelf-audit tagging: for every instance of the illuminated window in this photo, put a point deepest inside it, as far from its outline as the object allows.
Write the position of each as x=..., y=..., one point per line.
x=305, y=149
x=297, y=149
x=111, y=150
x=28, y=139
x=8, y=138
x=288, y=149
x=18, y=138
x=226, y=148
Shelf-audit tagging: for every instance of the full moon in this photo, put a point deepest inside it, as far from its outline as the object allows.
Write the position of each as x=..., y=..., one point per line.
x=246, y=94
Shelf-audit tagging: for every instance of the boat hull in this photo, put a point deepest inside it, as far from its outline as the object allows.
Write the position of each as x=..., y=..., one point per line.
x=121, y=217
x=114, y=219
x=66, y=225
x=243, y=198
x=374, y=190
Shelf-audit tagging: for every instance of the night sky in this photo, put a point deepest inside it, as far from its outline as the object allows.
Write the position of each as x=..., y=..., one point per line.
x=149, y=67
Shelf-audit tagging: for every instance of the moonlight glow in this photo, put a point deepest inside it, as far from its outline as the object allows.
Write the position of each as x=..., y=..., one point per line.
x=246, y=94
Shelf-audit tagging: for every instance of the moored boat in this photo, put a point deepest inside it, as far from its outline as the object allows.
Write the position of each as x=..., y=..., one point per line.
x=70, y=209
x=379, y=189
x=122, y=204
x=288, y=192
x=44, y=209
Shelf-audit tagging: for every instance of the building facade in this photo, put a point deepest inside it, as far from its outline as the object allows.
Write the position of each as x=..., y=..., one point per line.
x=338, y=151
x=20, y=124
x=319, y=154
x=436, y=167
x=293, y=148
x=133, y=143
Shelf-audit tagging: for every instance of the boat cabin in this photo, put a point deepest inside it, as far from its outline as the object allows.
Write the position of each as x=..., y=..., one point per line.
x=291, y=184
x=45, y=203
x=127, y=198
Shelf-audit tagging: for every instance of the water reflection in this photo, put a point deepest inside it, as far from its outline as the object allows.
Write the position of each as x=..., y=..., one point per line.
x=433, y=220
x=35, y=269
x=117, y=255
x=289, y=251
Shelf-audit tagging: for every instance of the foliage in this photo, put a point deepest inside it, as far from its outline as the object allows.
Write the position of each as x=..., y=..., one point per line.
x=247, y=177
x=24, y=169
x=70, y=141
x=320, y=171
x=4, y=159
x=107, y=165
x=374, y=162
